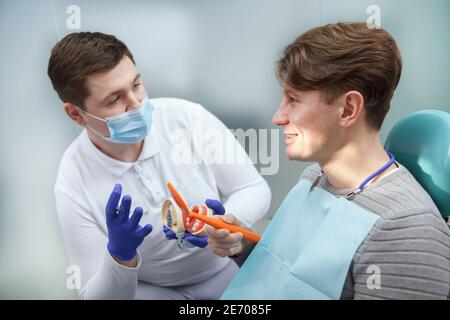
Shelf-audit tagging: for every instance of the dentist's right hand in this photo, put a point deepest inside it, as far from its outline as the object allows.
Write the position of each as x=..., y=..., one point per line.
x=124, y=233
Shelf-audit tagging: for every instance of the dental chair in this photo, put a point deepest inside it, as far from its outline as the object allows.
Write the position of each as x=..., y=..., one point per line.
x=421, y=142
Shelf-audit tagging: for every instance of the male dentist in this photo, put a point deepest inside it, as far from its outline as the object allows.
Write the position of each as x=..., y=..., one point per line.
x=130, y=145
x=357, y=225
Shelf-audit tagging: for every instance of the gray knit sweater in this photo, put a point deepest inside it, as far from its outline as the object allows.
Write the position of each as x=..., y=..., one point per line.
x=409, y=245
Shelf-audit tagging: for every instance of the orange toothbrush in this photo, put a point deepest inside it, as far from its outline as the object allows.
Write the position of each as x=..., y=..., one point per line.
x=216, y=223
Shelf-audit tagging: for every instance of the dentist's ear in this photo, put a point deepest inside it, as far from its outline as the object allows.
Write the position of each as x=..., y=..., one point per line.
x=74, y=113
x=352, y=108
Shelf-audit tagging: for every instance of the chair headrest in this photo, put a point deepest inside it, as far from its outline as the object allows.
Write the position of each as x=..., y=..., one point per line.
x=421, y=142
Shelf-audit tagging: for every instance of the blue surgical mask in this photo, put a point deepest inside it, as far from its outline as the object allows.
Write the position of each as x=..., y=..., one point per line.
x=128, y=127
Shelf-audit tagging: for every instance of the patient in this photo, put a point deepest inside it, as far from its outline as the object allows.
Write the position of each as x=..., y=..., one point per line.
x=338, y=81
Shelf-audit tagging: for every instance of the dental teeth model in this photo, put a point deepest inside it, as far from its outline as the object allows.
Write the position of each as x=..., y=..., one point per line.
x=174, y=218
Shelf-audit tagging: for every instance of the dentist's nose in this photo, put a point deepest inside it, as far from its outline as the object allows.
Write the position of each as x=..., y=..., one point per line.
x=133, y=103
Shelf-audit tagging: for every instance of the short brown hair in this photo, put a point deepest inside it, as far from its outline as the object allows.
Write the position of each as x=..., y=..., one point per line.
x=337, y=58
x=79, y=55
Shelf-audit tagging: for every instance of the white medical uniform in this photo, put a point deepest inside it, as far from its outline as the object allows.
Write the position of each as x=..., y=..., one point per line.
x=87, y=176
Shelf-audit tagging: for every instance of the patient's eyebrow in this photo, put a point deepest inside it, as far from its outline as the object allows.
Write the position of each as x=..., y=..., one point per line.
x=289, y=92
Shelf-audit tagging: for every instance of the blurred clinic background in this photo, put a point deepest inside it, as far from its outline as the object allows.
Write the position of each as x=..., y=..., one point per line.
x=220, y=53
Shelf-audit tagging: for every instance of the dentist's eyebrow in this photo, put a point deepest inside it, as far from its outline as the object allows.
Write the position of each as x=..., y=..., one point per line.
x=110, y=95
x=118, y=91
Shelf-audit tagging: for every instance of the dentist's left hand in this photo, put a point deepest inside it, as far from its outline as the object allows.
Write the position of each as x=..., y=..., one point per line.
x=124, y=233
x=200, y=240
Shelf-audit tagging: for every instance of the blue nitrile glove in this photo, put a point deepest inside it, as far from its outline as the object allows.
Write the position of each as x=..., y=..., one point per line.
x=125, y=234
x=194, y=240
x=216, y=206
x=201, y=242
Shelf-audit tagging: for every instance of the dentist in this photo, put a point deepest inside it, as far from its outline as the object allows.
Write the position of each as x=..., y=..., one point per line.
x=130, y=144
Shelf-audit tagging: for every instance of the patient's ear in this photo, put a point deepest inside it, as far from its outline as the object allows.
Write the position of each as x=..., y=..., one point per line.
x=74, y=113
x=352, y=106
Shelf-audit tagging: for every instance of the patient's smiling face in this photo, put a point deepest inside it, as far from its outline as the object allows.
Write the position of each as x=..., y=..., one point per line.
x=311, y=127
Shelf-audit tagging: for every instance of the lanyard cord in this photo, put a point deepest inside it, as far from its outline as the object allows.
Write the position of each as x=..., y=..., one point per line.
x=379, y=171
x=363, y=184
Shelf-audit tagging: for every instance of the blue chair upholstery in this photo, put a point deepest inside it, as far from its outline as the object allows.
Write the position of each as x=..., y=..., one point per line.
x=421, y=142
